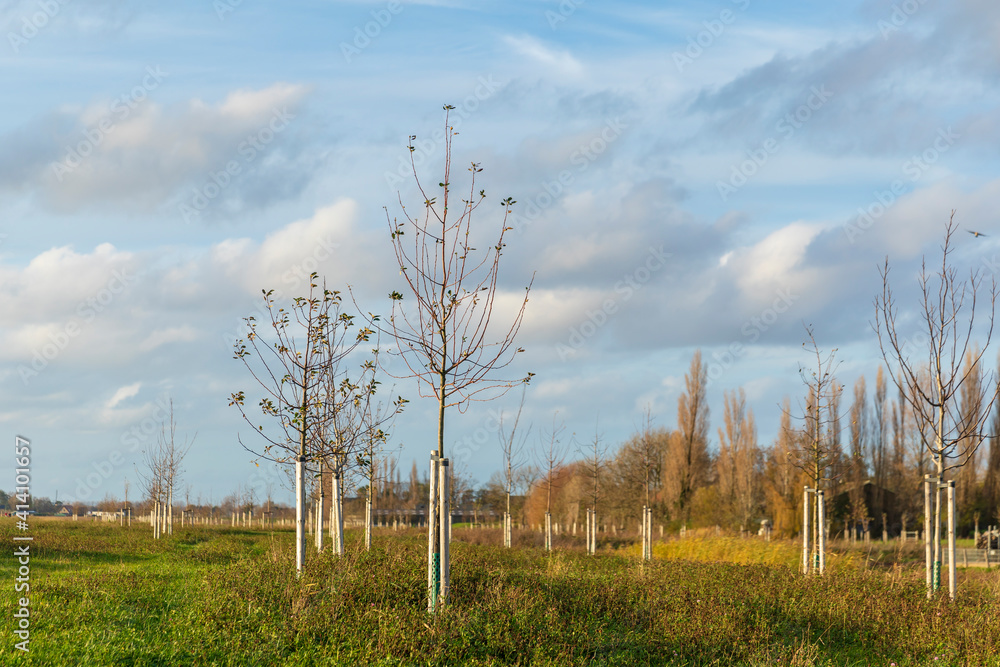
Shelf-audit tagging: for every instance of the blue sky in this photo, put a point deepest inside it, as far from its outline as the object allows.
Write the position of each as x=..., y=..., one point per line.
x=715, y=157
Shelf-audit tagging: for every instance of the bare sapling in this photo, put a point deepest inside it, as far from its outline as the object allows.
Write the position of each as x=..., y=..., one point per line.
x=551, y=457
x=444, y=328
x=816, y=455
x=594, y=464
x=938, y=379
x=513, y=446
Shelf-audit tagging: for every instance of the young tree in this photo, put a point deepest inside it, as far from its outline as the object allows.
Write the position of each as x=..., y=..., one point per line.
x=307, y=344
x=173, y=452
x=594, y=464
x=444, y=335
x=650, y=451
x=819, y=449
x=931, y=381
x=513, y=458
x=151, y=478
x=551, y=458
x=161, y=472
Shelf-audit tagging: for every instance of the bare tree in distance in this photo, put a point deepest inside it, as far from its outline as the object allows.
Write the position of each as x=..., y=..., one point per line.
x=152, y=477
x=353, y=433
x=551, y=456
x=162, y=471
x=651, y=460
x=445, y=336
x=369, y=462
x=594, y=464
x=512, y=445
x=931, y=380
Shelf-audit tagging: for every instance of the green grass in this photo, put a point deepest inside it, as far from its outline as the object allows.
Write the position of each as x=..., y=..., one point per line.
x=106, y=596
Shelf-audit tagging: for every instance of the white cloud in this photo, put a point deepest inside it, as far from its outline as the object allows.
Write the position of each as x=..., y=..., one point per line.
x=559, y=62
x=124, y=393
x=775, y=262
x=142, y=154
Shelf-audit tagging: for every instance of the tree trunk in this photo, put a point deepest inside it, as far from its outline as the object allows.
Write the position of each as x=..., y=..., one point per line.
x=337, y=507
x=433, y=545
x=300, y=515
x=821, y=522
x=805, y=531
x=951, y=540
x=368, y=518
x=444, y=488
x=928, y=550
x=320, y=512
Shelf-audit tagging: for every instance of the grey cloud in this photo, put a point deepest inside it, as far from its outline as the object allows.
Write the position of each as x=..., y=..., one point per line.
x=138, y=156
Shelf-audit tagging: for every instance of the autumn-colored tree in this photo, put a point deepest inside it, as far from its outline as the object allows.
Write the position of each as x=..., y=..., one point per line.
x=783, y=477
x=739, y=461
x=687, y=462
x=857, y=469
x=878, y=457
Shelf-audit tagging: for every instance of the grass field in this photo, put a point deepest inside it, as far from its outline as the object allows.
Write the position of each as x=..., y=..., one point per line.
x=106, y=596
